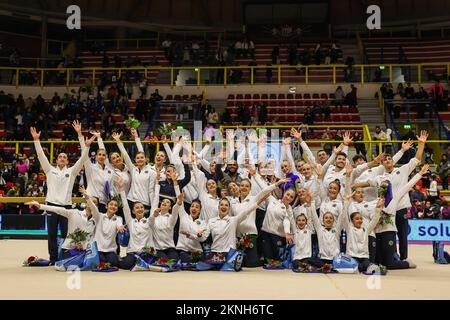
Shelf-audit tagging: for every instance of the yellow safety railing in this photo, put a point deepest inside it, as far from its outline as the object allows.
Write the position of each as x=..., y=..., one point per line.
x=307, y=72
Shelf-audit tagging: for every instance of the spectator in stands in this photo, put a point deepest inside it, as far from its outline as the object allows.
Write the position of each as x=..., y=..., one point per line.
x=292, y=55
x=186, y=56
x=360, y=147
x=117, y=61
x=166, y=45
x=238, y=49
x=433, y=194
x=105, y=61
x=245, y=48
x=431, y=210
x=68, y=134
x=276, y=55
x=226, y=117
x=195, y=53
x=443, y=170
x=352, y=98
x=269, y=73
x=397, y=105
x=445, y=210
x=327, y=57
x=212, y=117
x=306, y=57
x=379, y=135
x=325, y=109
x=417, y=194
x=327, y=147
x=263, y=114
x=416, y=210
x=318, y=54
x=309, y=116
x=401, y=90
x=339, y=97
x=251, y=49
x=437, y=94
x=14, y=58
x=334, y=53
x=409, y=92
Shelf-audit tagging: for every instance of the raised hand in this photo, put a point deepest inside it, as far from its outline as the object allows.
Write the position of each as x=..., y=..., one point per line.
x=164, y=139
x=423, y=136
x=347, y=138
x=116, y=136
x=134, y=133
x=379, y=158
x=424, y=169
x=348, y=196
x=119, y=182
x=407, y=145
x=348, y=169
x=121, y=229
x=296, y=134
x=181, y=199
x=251, y=169
x=77, y=126
x=339, y=149
x=90, y=141
x=36, y=135
x=157, y=212
x=318, y=169
x=35, y=204
x=281, y=181
x=230, y=134
x=309, y=197
x=96, y=133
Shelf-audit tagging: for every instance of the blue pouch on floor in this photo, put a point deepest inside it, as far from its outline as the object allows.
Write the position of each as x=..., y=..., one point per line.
x=124, y=238
x=92, y=257
x=287, y=256
x=234, y=261
x=343, y=263
x=165, y=265
x=71, y=263
x=140, y=265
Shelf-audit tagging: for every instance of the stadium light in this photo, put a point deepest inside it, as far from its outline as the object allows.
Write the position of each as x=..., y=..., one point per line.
x=382, y=67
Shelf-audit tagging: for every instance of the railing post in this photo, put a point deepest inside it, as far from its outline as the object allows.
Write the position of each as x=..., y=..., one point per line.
x=51, y=153
x=17, y=148
x=279, y=75
x=171, y=77
x=120, y=72
x=93, y=77
x=68, y=78
x=252, y=69
x=198, y=77
x=334, y=74
x=42, y=78
x=225, y=74
x=390, y=73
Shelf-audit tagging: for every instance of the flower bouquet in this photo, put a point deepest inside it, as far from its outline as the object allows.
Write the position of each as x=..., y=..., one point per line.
x=164, y=265
x=327, y=268
x=105, y=267
x=34, y=261
x=165, y=129
x=385, y=218
x=273, y=264
x=375, y=270
x=132, y=123
x=78, y=237
x=148, y=254
x=196, y=256
x=247, y=241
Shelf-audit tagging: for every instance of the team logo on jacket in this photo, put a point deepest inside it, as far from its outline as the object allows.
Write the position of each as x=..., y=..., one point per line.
x=305, y=232
x=144, y=220
x=334, y=205
x=391, y=243
x=198, y=222
x=146, y=171
x=283, y=207
x=67, y=175
x=398, y=172
x=109, y=171
x=366, y=206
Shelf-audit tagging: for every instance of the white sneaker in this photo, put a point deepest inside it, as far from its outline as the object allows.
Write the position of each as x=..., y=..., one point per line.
x=412, y=265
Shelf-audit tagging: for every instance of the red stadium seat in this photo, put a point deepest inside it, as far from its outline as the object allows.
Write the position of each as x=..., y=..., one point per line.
x=231, y=97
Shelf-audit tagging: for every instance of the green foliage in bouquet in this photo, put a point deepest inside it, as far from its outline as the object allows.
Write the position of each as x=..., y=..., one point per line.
x=78, y=236
x=132, y=123
x=165, y=129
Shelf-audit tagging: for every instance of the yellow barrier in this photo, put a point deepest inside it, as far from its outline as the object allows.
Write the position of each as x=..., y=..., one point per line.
x=38, y=199
x=306, y=71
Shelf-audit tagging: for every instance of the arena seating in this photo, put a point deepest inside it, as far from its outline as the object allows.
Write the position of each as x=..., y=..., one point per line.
x=290, y=108
x=386, y=50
